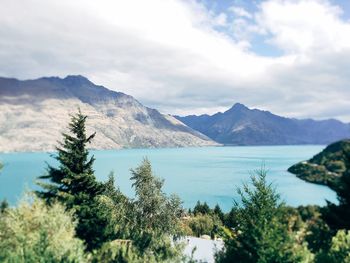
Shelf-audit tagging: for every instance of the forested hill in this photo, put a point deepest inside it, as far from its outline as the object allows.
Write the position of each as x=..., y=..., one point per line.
x=33, y=113
x=243, y=126
x=327, y=166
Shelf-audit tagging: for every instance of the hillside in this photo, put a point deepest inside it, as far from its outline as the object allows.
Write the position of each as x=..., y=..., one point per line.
x=327, y=166
x=243, y=126
x=33, y=113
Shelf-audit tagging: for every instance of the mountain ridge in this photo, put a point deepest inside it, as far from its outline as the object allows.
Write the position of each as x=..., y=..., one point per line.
x=240, y=125
x=33, y=113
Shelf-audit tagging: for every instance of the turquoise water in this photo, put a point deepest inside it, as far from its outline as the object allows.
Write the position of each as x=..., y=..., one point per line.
x=209, y=174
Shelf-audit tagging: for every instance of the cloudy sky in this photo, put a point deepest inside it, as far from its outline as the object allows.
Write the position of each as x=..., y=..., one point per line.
x=291, y=57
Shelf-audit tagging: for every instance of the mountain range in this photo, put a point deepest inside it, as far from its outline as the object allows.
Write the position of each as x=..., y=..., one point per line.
x=33, y=113
x=243, y=126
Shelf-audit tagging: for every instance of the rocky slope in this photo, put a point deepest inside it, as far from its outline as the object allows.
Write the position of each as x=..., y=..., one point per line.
x=243, y=126
x=33, y=113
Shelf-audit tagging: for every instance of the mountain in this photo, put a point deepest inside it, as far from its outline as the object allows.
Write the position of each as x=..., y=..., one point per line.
x=33, y=113
x=243, y=126
x=327, y=166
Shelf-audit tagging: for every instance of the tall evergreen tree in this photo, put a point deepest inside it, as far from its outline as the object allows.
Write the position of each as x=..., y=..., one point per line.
x=217, y=211
x=74, y=179
x=74, y=184
x=261, y=235
x=201, y=208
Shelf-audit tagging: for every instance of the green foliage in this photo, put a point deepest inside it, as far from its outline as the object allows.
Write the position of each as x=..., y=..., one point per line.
x=316, y=232
x=217, y=211
x=120, y=251
x=74, y=184
x=123, y=251
x=327, y=166
x=337, y=216
x=204, y=225
x=230, y=219
x=201, y=208
x=35, y=232
x=74, y=180
x=3, y=206
x=339, y=250
x=156, y=216
x=262, y=234
x=154, y=210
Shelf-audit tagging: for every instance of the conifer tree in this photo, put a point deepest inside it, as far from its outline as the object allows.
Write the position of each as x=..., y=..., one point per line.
x=74, y=179
x=201, y=208
x=217, y=211
x=74, y=184
x=261, y=235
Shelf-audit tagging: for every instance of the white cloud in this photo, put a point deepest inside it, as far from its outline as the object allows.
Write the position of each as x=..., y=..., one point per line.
x=240, y=12
x=168, y=54
x=303, y=26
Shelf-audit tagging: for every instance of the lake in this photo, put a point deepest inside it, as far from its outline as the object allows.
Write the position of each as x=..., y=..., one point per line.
x=210, y=174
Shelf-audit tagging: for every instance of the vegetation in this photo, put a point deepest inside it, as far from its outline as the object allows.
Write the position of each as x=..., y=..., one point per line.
x=35, y=232
x=112, y=226
x=263, y=233
x=75, y=218
x=74, y=184
x=327, y=167
x=338, y=216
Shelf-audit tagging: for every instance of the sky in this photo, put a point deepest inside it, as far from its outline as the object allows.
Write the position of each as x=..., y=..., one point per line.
x=291, y=57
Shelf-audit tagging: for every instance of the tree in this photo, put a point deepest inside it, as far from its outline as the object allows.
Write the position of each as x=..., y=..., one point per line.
x=35, y=232
x=261, y=234
x=74, y=179
x=201, y=208
x=74, y=184
x=3, y=206
x=339, y=250
x=338, y=216
x=205, y=224
x=156, y=216
x=217, y=211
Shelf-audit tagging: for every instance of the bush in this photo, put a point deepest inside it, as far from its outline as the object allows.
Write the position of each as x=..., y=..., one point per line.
x=339, y=250
x=35, y=232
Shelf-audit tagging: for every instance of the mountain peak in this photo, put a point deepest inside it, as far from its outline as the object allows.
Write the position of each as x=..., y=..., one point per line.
x=238, y=106
x=76, y=79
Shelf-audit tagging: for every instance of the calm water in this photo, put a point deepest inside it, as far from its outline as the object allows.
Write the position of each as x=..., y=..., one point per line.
x=209, y=174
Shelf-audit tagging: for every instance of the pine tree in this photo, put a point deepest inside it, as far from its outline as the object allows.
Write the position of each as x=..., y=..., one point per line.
x=74, y=184
x=217, y=211
x=4, y=205
x=261, y=235
x=75, y=175
x=201, y=208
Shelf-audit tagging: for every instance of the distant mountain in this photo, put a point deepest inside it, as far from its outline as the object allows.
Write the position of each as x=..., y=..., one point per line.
x=33, y=113
x=327, y=166
x=243, y=126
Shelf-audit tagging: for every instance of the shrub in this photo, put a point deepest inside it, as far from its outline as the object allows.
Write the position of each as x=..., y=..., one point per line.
x=35, y=232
